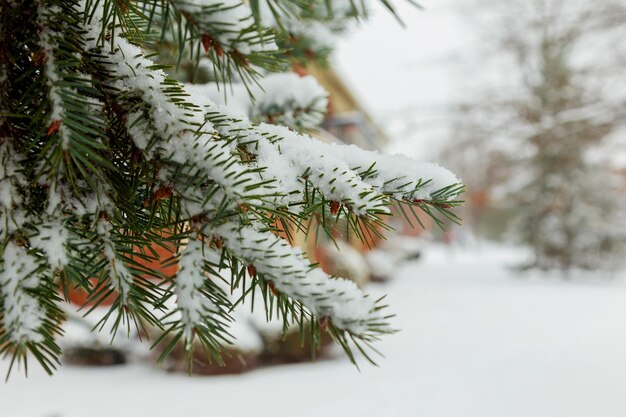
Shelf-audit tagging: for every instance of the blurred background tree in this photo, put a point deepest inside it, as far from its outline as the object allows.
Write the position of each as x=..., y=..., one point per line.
x=535, y=146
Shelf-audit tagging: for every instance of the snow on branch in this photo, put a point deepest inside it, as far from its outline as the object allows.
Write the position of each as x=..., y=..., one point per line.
x=70, y=90
x=192, y=303
x=344, y=173
x=327, y=167
x=51, y=238
x=281, y=98
x=403, y=177
x=192, y=134
x=291, y=100
x=290, y=272
x=225, y=24
x=11, y=178
x=330, y=174
x=287, y=162
x=23, y=314
x=48, y=42
x=177, y=133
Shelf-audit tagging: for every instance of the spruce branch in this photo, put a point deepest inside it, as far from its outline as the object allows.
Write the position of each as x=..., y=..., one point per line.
x=105, y=158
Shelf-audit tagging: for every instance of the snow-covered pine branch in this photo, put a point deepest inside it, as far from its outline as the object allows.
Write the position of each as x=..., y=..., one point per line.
x=108, y=156
x=280, y=98
x=193, y=301
x=70, y=89
x=289, y=271
x=49, y=44
x=22, y=313
x=11, y=180
x=228, y=25
x=170, y=135
x=189, y=148
x=51, y=238
x=328, y=167
x=28, y=318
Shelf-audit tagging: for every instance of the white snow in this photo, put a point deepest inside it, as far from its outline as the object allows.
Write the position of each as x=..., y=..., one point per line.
x=78, y=331
x=246, y=337
x=295, y=94
x=191, y=303
x=286, y=266
x=228, y=19
x=325, y=168
x=10, y=179
x=23, y=315
x=51, y=238
x=48, y=43
x=477, y=341
x=284, y=98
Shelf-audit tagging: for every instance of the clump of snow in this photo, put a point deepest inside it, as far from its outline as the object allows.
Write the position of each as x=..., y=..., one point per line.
x=280, y=98
x=396, y=174
x=330, y=174
x=290, y=272
x=48, y=44
x=51, y=238
x=192, y=304
x=291, y=100
x=11, y=178
x=23, y=314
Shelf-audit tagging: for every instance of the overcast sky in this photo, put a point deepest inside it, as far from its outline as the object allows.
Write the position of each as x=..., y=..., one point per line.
x=405, y=76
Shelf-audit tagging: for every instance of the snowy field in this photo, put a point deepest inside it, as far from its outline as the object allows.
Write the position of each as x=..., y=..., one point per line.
x=477, y=341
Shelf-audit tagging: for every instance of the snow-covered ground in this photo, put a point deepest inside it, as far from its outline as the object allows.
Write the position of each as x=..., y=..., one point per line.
x=477, y=341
